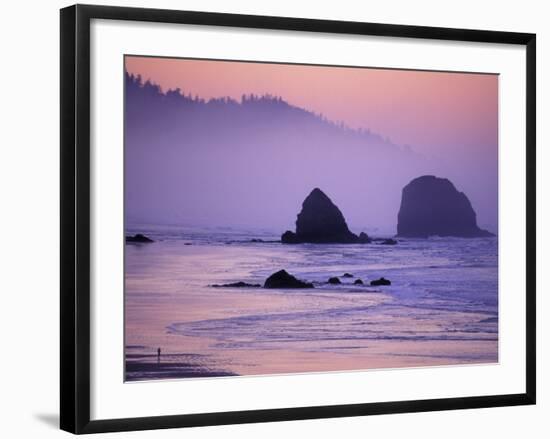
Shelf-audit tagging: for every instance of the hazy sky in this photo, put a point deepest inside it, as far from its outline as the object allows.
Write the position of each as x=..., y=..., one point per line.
x=450, y=119
x=431, y=111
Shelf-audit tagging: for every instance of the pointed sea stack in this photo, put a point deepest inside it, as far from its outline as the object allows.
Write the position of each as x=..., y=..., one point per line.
x=320, y=222
x=432, y=206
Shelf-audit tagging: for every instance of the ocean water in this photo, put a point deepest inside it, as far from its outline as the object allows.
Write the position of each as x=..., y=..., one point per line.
x=441, y=309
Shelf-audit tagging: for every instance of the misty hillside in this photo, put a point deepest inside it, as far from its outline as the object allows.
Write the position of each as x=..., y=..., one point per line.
x=253, y=114
x=251, y=162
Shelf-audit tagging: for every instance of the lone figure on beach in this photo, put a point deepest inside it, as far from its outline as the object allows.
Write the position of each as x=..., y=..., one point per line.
x=158, y=355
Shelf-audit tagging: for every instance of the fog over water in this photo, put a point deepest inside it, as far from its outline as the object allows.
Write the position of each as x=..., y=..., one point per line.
x=249, y=163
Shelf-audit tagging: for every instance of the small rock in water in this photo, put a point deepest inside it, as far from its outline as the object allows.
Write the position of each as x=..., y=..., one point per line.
x=347, y=275
x=358, y=282
x=334, y=281
x=380, y=282
x=237, y=285
x=256, y=240
x=364, y=238
x=282, y=279
x=289, y=238
x=138, y=238
x=389, y=241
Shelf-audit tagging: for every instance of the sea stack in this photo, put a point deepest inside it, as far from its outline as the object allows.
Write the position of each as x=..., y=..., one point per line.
x=320, y=221
x=432, y=206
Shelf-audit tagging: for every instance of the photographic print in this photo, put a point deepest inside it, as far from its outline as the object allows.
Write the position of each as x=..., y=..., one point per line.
x=294, y=218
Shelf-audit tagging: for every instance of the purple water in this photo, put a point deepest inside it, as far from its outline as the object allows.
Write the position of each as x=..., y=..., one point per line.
x=441, y=309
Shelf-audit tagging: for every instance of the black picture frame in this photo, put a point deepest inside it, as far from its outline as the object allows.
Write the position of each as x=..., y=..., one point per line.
x=75, y=217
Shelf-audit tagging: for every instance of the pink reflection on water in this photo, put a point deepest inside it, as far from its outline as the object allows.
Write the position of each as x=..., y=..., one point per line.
x=169, y=304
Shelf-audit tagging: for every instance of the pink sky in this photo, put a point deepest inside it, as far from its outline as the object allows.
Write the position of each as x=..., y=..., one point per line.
x=431, y=111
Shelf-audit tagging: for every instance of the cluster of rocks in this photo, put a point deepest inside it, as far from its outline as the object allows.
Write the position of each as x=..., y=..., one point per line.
x=283, y=280
x=375, y=283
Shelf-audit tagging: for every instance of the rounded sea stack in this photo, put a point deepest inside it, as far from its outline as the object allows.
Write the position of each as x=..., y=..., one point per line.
x=432, y=206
